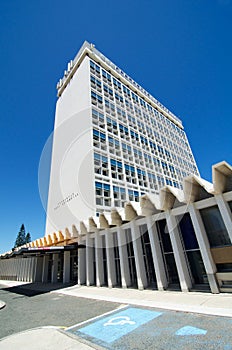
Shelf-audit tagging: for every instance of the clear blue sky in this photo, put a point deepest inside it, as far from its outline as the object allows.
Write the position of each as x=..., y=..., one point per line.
x=179, y=50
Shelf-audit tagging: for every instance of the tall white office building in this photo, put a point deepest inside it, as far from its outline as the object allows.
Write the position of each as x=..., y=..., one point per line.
x=112, y=142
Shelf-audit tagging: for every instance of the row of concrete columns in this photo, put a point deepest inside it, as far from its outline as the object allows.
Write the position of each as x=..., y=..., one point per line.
x=94, y=243
x=18, y=269
x=54, y=271
x=34, y=269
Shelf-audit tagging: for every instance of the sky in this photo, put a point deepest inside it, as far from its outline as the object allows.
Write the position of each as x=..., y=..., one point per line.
x=178, y=50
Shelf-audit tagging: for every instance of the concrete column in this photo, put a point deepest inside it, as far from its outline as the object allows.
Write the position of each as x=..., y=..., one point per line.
x=124, y=263
x=99, y=260
x=89, y=261
x=45, y=268
x=179, y=255
x=225, y=213
x=66, y=267
x=8, y=269
x=138, y=253
x=34, y=265
x=38, y=269
x=26, y=262
x=55, y=257
x=33, y=259
x=204, y=246
x=27, y=270
x=161, y=278
x=30, y=270
x=20, y=268
x=81, y=266
x=111, y=271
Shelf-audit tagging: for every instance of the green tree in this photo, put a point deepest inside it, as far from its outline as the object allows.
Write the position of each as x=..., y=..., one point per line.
x=22, y=237
x=28, y=238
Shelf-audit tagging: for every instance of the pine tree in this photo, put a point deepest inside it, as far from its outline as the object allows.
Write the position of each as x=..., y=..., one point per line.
x=28, y=238
x=21, y=238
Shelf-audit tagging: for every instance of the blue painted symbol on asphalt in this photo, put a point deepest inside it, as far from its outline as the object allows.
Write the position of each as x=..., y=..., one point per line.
x=119, y=320
x=228, y=347
x=115, y=326
x=188, y=330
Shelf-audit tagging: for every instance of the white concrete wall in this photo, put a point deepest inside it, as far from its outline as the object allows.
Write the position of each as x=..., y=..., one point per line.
x=71, y=192
x=18, y=269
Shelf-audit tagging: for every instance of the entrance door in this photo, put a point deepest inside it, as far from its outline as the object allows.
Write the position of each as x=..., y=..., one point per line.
x=74, y=265
x=168, y=256
x=193, y=254
x=148, y=259
x=131, y=258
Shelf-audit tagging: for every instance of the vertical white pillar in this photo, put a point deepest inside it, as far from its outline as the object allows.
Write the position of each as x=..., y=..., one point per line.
x=25, y=269
x=16, y=268
x=89, y=260
x=66, y=268
x=179, y=255
x=111, y=271
x=161, y=278
x=8, y=270
x=225, y=213
x=30, y=270
x=55, y=257
x=38, y=269
x=204, y=246
x=138, y=253
x=81, y=266
x=124, y=263
x=20, y=269
x=34, y=269
x=99, y=260
x=45, y=269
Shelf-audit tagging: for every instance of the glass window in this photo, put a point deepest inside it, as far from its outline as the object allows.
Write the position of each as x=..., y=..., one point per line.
x=215, y=227
x=230, y=205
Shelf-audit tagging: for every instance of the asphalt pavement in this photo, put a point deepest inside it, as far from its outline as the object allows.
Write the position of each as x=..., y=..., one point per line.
x=100, y=318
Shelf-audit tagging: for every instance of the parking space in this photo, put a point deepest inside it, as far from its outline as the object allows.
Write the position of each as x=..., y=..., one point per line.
x=143, y=328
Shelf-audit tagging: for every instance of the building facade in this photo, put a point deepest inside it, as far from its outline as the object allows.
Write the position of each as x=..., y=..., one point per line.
x=112, y=142
x=177, y=240
x=126, y=205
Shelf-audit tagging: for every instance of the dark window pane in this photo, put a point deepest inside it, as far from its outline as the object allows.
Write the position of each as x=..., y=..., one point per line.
x=197, y=267
x=215, y=227
x=227, y=267
x=230, y=205
x=164, y=235
x=188, y=234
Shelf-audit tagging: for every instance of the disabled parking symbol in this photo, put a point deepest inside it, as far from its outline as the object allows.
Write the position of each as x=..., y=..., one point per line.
x=119, y=321
x=111, y=328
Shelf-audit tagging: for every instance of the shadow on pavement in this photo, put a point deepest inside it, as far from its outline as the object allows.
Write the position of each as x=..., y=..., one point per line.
x=33, y=289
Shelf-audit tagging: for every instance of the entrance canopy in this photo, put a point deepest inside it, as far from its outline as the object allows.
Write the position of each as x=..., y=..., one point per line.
x=39, y=251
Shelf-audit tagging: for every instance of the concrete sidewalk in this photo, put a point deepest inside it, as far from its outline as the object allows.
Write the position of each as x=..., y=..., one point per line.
x=197, y=302
x=203, y=303
x=49, y=338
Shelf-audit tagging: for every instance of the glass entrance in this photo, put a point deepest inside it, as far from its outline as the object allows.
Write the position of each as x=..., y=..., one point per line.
x=131, y=258
x=60, y=267
x=148, y=259
x=116, y=260
x=168, y=256
x=193, y=254
x=74, y=265
x=105, y=273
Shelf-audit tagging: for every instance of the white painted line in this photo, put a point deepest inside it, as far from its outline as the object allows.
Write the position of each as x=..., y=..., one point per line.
x=97, y=317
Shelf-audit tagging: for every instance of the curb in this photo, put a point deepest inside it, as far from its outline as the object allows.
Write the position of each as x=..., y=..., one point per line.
x=2, y=304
